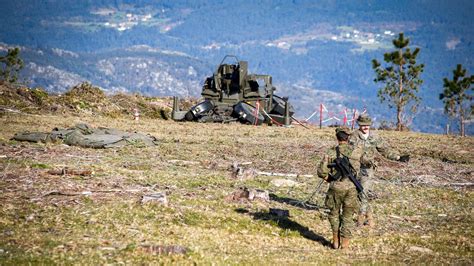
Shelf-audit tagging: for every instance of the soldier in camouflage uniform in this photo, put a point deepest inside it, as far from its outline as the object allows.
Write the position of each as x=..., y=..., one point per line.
x=342, y=193
x=370, y=143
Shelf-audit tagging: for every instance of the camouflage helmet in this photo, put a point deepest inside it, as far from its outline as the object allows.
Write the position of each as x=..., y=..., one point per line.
x=364, y=120
x=343, y=129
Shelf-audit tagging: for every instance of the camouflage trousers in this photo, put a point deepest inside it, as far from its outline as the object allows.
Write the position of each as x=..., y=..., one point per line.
x=366, y=178
x=342, y=202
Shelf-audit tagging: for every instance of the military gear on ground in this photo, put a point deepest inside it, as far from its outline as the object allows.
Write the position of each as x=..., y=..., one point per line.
x=35, y=137
x=199, y=110
x=233, y=94
x=342, y=193
x=85, y=136
x=404, y=158
x=364, y=120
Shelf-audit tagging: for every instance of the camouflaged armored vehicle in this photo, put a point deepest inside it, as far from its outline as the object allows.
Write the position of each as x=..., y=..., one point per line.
x=232, y=94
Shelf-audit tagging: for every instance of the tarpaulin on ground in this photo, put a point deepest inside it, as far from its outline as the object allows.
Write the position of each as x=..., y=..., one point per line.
x=85, y=136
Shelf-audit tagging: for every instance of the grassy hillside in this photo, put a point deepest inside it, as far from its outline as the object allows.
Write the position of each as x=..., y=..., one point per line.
x=423, y=213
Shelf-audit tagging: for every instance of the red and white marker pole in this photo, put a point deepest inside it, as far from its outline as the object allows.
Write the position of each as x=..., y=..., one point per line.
x=257, y=112
x=344, y=120
x=136, y=114
x=353, y=119
x=320, y=116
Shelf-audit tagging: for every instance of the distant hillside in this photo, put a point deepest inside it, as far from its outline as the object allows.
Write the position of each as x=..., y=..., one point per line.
x=140, y=69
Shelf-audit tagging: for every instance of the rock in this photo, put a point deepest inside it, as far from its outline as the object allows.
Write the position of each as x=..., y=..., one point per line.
x=30, y=217
x=420, y=249
x=259, y=194
x=238, y=172
x=284, y=183
x=159, y=197
x=8, y=232
x=167, y=250
x=248, y=194
x=240, y=194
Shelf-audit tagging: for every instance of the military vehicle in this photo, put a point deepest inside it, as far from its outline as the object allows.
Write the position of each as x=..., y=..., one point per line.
x=232, y=94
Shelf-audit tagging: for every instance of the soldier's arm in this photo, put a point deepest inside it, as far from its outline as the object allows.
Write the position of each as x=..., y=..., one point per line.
x=386, y=151
x=323, y=170
x=355, y=157
x=353, y=138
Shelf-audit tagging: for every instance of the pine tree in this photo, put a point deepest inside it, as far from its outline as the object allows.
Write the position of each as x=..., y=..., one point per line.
x=457, y=95
x=12, y=65
x=401, y=77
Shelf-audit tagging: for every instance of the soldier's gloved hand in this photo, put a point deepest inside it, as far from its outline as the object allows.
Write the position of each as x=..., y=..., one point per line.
x=404, y=158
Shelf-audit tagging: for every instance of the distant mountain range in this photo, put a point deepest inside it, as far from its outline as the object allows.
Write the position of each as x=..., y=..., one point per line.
x=316, y=51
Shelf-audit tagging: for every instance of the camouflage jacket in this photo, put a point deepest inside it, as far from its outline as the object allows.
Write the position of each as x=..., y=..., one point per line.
x=345, y=150
x=369, y=147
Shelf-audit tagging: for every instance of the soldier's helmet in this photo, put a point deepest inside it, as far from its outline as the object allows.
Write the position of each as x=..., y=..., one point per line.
x=343, y=129
x=364, y=120
x=343, y=133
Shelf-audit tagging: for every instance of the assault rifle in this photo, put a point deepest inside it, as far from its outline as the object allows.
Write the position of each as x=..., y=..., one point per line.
x=345, y=169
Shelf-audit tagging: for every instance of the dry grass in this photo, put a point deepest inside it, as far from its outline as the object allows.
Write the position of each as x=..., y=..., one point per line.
x=420, y=218
x=85, y=99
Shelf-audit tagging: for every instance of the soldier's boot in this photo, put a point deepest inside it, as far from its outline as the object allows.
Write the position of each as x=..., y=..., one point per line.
x=361, y=219
x=335, y=240
x=344, y=243
x=370, y=219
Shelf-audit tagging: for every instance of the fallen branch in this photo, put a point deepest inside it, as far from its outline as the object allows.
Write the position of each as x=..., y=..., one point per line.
x=66, y=171
x=9, y=110
x=84, y=156
x=60, y=193
x=299, y=123
x=397, y=217
x=90, y=192
x=238, y=170
x=468, y=184
x=419, y=181
x=282, y=174
x=183, y=162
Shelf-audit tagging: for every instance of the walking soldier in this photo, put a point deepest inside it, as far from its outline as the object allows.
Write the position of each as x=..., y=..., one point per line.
x=370, y=143
x=341, y=197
